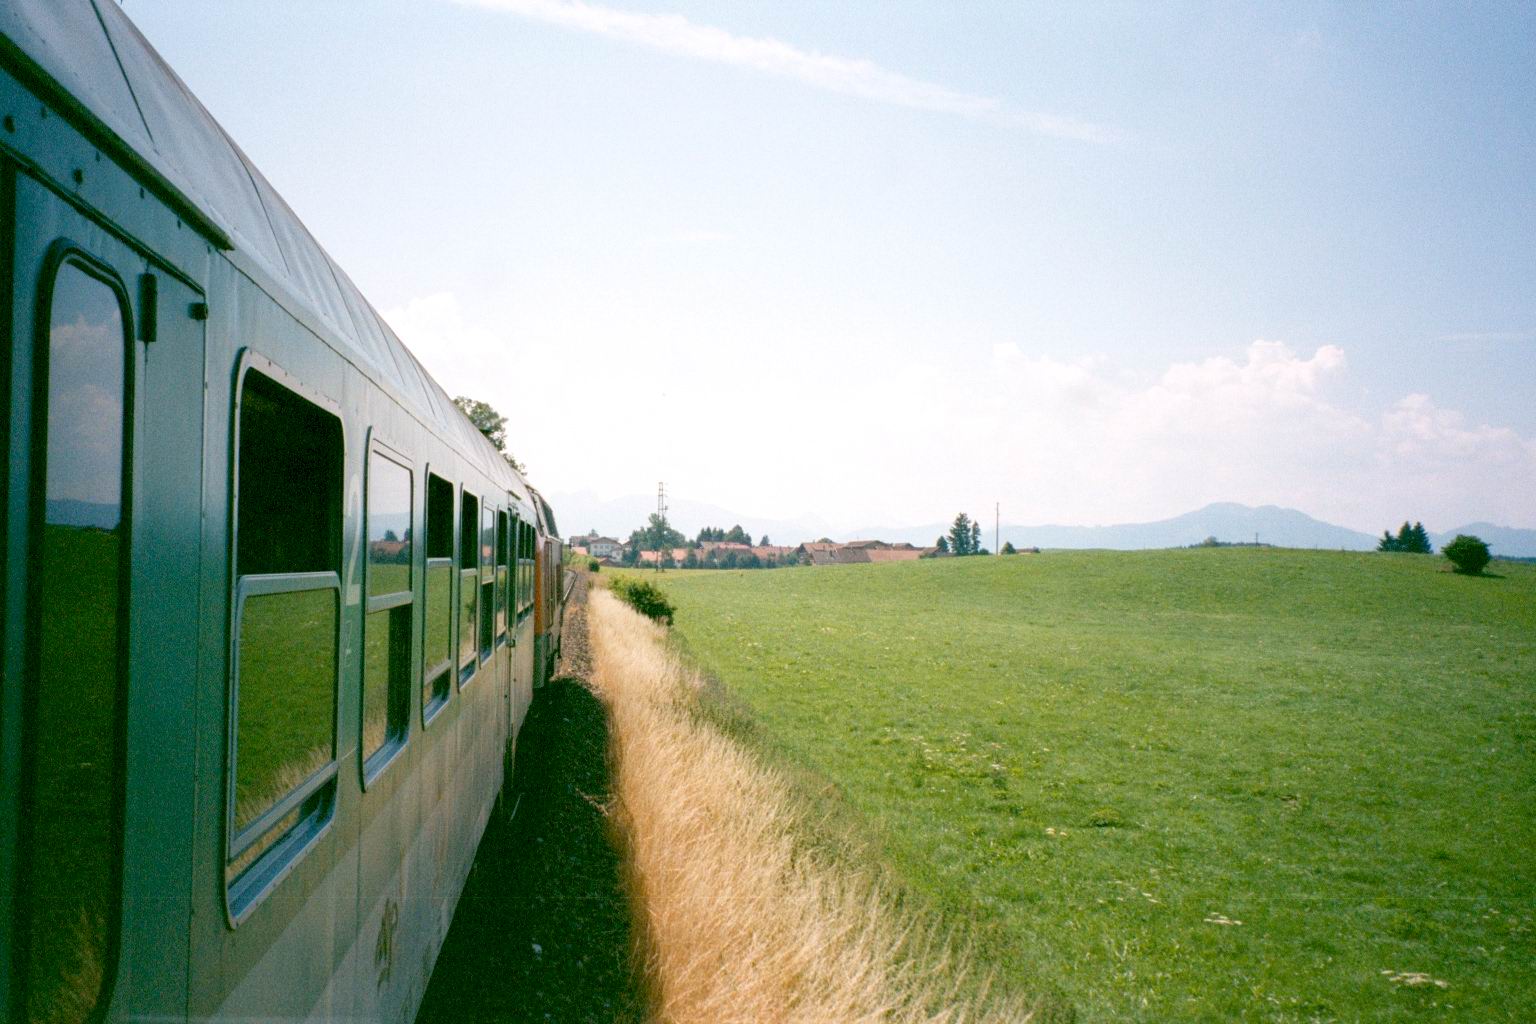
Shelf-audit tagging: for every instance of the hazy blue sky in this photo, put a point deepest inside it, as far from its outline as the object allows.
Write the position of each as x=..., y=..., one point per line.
x=886, y=261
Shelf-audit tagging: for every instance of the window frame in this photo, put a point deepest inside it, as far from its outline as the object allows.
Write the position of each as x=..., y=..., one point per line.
x=61, y=253
x=372, y=766
x=249, y=888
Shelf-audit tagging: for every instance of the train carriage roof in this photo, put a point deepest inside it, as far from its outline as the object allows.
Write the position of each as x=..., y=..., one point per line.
x=123, y=91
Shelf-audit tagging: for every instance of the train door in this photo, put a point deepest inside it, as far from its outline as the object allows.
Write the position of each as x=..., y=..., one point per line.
x=103, y=525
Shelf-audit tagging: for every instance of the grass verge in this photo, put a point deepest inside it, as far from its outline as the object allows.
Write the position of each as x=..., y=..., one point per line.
x=740, y=918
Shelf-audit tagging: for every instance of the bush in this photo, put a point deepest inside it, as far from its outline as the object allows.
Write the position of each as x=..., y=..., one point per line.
x=644, y=597
x=1467, y=554
x=593, y=565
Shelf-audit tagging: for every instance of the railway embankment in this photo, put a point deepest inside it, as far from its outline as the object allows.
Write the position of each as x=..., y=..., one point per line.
x=543, y=930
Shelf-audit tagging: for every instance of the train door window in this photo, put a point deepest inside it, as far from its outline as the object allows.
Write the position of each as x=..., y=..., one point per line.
x=287, y=607
x=387, y=624
x=469, y=589
x=73, y=796
x=487, y=580
x=502, y=542
x=437, y=653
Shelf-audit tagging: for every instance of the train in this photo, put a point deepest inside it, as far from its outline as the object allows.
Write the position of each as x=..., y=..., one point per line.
x=272, y=610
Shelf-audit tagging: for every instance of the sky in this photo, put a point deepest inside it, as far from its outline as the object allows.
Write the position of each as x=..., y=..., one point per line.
x=882, y=262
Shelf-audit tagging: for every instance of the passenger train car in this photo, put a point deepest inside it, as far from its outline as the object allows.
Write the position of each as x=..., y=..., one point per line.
x=271, y=609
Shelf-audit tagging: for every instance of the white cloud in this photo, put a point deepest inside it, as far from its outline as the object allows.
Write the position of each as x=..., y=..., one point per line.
x=849, y=76
x=786, y=429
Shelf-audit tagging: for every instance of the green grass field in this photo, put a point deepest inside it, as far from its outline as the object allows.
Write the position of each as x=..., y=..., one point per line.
x=1231, y=784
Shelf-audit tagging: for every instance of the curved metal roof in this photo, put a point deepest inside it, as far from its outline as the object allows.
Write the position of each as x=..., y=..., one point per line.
x=93, y=52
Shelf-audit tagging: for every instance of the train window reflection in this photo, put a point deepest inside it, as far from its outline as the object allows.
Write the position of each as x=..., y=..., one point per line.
x=469, y=590
x=71, y=862
x=287, y=716
x=387, y=626
x=502, y=542
x=487, y=580
x=437, y=649
x=389, y=526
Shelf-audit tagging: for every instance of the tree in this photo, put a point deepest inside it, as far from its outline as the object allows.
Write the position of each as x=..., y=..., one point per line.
x=658, y=534
x=976, y=548
x=1008, y=548
x=1468, y=555
x=942, y=545
x=691, y=560
x=960, y=535
x=490, y=423
x=736, y=535
x=1412, y=539
x=764, y=542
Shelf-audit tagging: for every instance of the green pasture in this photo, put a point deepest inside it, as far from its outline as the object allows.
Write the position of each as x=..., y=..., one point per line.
x=1225, y=784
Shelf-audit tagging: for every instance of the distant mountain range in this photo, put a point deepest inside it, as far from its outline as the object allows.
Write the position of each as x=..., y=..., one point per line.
x=1226, y=521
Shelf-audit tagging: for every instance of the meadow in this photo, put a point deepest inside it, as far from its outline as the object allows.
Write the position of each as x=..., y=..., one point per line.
x=1217, y=784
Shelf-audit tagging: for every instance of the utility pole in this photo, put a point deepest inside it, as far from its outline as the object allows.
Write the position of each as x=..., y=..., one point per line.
x=997, y=527
x=661, y=515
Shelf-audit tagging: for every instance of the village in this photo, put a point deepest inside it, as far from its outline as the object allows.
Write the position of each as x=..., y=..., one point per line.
x=706, y=553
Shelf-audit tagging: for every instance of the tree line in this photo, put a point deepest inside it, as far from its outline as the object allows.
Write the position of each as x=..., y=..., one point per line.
x=661, y=536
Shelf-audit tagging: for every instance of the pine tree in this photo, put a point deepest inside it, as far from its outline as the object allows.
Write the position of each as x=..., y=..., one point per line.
x=976, y=548
x=943, y=545
x=960, y=535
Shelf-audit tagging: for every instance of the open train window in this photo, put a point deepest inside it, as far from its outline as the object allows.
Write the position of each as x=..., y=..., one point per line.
x=502, y=543
x=469, y=588
x=285, y=628
x=437, y=644
x=387, y=623
x=74, y=699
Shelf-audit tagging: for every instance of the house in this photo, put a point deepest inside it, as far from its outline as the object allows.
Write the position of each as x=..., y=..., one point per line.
x=855, y=551
x=604, y=547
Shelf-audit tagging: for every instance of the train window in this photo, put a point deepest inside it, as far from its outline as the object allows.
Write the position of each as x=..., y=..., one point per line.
x=487, y=580
x=517, y=571
x=387, y=625
x=501, y=577
x=437, y=653
x=288, y=488
x=469, y=589
x=71, y=861
x=523, y=533
x=528, y=541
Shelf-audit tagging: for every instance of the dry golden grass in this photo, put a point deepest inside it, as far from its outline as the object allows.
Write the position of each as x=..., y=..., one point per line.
x=739, y=920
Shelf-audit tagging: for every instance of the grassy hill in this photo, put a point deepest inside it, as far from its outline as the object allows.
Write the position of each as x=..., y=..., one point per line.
x=1222, y=784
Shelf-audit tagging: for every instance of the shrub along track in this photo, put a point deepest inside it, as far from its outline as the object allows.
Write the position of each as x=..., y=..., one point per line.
x=543, y=931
